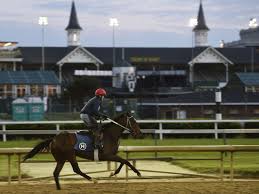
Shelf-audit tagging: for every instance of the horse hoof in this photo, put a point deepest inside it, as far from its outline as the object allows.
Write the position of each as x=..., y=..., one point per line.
x=94, y=181
x=112, y=174
x=139, y=175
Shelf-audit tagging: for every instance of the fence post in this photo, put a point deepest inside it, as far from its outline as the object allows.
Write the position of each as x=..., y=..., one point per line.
x=156, y=137
x=108, y=165
x=115, y=168
x=160, y=131
x=4, y=134
x=126, y=167
x=19, y=169
x=218, y=100
x=216, y=130
x=57, y=127
x=231, y=166
x=221, y=166
x=9, y=169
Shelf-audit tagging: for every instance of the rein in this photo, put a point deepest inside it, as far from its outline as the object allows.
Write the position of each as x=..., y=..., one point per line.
x=128, y=123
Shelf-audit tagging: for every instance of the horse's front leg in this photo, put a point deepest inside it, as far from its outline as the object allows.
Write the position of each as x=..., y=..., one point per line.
x=117, y=170
x=116, y=158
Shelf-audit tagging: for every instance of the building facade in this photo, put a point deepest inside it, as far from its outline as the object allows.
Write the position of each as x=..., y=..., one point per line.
x=163, y=79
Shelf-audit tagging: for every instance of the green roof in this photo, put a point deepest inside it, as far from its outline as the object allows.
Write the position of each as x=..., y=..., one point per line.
x=29, y=77
x=249, y=79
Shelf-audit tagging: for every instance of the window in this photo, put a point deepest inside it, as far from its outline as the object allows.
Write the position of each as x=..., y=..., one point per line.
x=250, y=89
x=208, y=112
x=9, y=90
x=34, y=90
x=1, y=91
x=40, y=90
x=181, y=114
x=169, y=115
x=233, y=112
x=2, y=68
x=118, y=108
x=74, y=37
x=21, y=90
x=52, y=90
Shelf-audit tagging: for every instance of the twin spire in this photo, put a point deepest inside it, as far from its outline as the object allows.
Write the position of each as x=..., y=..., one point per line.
x=201, y=23
x=201, y=30
x=73, y=21
x=73, y=28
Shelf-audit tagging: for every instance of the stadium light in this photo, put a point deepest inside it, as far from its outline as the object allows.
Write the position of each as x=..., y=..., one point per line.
x=113, y=23
x=7, y=44
x=221, y=43
x=43, y=21
x=192, y=22
x=252, y=23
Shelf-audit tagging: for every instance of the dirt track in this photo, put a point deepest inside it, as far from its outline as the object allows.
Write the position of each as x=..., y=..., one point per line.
x=136, y=188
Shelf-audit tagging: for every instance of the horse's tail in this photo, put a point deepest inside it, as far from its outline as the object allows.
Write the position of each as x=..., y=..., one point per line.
x=38, y=148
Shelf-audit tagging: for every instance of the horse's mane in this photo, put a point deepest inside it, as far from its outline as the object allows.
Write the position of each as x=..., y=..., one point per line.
x=107, y=125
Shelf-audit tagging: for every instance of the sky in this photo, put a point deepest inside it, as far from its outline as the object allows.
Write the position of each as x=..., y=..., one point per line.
x=146, y=23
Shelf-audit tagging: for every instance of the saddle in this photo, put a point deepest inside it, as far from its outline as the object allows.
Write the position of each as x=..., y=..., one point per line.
x=85, y=133
x=82, y=135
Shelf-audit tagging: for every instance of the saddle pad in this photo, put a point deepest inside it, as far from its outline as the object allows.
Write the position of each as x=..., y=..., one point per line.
x=84, y=143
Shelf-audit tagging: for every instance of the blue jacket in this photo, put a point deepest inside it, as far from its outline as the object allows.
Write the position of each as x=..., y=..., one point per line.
x=92, y=107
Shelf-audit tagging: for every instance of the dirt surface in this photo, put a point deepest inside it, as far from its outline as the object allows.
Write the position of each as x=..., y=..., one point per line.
x=46, y=169
x=135, y=188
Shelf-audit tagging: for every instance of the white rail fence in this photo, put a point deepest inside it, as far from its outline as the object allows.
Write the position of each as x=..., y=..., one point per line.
x=160, y=130
x=231, y=149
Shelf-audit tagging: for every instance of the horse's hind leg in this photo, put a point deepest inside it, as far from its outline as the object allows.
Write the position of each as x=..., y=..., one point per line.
x=56, y=172
x=76, y=169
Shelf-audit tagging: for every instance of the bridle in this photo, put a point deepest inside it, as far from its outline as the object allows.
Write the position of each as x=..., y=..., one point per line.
x=128, y=123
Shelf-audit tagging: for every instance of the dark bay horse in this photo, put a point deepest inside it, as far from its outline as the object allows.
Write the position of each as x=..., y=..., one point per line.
x=62, y=147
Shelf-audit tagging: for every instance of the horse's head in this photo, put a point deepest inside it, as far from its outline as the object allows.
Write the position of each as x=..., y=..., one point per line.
x=128, y=120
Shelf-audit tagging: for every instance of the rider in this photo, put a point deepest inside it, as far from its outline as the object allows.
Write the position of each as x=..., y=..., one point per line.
x=91, y=112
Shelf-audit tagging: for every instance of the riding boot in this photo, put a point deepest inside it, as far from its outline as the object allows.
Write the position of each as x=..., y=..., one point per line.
x=97, y=139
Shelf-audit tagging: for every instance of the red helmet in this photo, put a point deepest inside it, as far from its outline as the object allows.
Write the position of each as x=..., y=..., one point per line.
x=100, y=92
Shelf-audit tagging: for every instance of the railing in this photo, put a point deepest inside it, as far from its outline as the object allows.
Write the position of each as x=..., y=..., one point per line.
x=159, y=131
x=231, y=149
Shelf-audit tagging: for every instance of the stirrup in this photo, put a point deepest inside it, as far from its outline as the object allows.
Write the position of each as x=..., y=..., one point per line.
x=96, y=155
x=98, y=146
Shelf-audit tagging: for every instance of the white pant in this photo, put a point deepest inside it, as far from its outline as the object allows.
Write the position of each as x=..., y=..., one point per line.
x=88, y=120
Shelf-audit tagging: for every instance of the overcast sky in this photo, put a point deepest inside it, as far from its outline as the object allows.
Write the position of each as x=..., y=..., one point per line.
x=148, y=23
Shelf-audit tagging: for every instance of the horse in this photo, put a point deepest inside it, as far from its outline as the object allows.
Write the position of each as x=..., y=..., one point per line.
x=62, y=147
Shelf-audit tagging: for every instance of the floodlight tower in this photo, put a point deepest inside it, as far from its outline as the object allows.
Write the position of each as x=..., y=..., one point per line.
x=113, y=23
x=43, y=21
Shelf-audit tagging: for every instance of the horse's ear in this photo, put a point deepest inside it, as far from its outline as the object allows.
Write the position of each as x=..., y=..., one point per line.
x=130, y=113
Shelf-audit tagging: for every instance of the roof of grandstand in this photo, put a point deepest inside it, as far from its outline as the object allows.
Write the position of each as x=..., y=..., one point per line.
x=181, y=56
x=249, y=79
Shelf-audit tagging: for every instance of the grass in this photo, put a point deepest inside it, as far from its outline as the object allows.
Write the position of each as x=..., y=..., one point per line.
x=244, y=163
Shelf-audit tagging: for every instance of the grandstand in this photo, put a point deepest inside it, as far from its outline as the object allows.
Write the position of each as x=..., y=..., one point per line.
x=137, y=74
